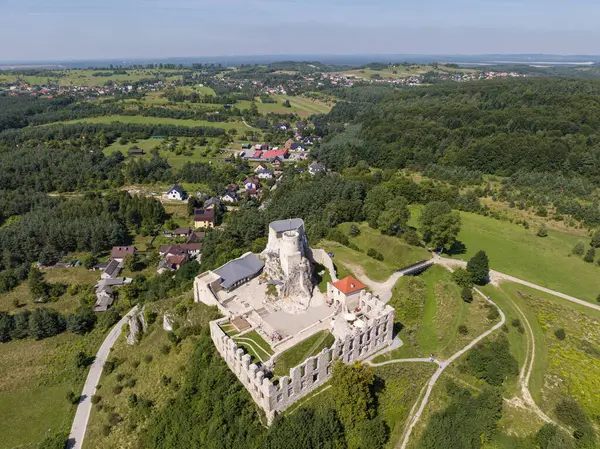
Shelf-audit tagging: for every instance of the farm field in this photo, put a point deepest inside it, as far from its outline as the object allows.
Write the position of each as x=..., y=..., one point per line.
x=302, y=106
x=160, y=121
x=517, y=251
x=85, y=77
x=401, y=71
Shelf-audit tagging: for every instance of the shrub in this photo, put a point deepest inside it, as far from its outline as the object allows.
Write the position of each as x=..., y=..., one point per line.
x=590, y=255
x=579, y=249
x=165, y=349
x=462, y=278
x=173, y=338
x=72, y=397
x=505, y=328
x=132, y=400
x=354, y=230
x=109, y=366
x=114, y=419
x=542, y=231
x=165, y=380
x=412, y=237
x=492, y=361
x=492, y=314
x=130, y=383
x=467, y=294
x=335, y=235
x=560, y=334
x=106, y=430
x=463, y=330
x=516, y=322
x=120, y=377
x=372, y=252
x=117, y=389
x=95, y=399
x=148, y=358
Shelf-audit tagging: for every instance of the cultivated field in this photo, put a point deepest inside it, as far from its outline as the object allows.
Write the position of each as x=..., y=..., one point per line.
x=161, y=121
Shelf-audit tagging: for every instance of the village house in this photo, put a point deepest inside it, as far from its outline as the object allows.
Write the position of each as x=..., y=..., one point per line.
x=204, y=218
x=315, y=168
x=260, y=167
x=179, y=232
x=346, y=291
x=264, y=174
x=112, y=270
x=277, y=163
x=196, y=236
x=230, y=197
x=212, y=203
x=289, y=143
x=118, y=253
x=251, y=184
x=176, y=193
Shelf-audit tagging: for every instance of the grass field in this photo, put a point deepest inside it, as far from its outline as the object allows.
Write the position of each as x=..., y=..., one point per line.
x=255, y=345
x=430, y=309
x=302, y=106
x=401, y=71
x=153, y=370
x=310, y=347
x=396, y=254
x=35, y=377
x=160, y=121
x=517, y=251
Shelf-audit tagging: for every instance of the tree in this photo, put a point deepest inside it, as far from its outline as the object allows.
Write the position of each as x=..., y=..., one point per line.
x=479, y=267
x=81, y=322
x=445, y=229
x=287, y=104
x=56, y=440
x=372, y=252
x=354, y=230
x=352, y=387
x=542, y=231
x=90, y=261
x=466, y=294
x=560, y=333
x=579, y=249
x=395, y=217
x=430, y=212
x=131, y=262
x=412, y=237
x=37, y=285
x=595, y=242
x=462, y=278
x=590, y=255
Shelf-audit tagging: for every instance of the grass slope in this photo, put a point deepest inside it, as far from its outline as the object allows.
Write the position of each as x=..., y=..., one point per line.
x=301, y=351
x=160, y=121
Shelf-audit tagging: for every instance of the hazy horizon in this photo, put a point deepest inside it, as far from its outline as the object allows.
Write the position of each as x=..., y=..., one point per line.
x=140, y=29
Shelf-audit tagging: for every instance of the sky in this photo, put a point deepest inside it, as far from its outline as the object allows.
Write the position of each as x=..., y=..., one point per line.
x=91, y=29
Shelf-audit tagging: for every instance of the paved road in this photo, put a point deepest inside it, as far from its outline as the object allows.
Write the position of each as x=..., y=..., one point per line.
x=442, y=366
x=84, y=407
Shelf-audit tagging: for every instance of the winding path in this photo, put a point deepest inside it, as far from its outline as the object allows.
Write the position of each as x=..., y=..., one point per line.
x=84, y=407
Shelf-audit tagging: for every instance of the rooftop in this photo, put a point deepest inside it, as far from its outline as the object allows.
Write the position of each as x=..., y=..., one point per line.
x=234, y=271
x=286, y=225
x=348, y=285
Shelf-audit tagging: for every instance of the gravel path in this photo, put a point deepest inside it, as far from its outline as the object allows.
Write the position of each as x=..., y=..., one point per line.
x=82, y=415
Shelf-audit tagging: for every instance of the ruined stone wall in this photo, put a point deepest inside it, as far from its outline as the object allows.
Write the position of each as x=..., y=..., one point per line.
x=314, y=371
x=321, y=257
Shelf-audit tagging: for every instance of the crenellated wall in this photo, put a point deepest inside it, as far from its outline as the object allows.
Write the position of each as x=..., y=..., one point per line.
x=314, y=371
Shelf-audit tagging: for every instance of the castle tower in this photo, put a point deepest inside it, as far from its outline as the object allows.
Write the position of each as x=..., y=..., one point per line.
x=290, y=254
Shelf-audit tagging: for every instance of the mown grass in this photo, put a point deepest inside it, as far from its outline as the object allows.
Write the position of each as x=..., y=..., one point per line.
x=517, y=251
x=301, y=351
x=253, y=341
x=302, y=106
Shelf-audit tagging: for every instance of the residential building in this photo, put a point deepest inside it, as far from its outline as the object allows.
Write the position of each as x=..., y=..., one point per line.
x=315, y=168
x=252, y=184
x=212, y=203
x=230, y=197
x=204, y=218
x=118, y=253
x=346, y=291
x=112, y=270
x=264, y=174
x=176, y=193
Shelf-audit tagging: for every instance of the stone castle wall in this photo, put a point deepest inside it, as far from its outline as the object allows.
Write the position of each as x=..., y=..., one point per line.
x=314, y=371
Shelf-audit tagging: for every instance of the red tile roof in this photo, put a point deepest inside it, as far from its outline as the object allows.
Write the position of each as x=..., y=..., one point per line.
x=274, y=153
x=348, y=285
x=119, y=252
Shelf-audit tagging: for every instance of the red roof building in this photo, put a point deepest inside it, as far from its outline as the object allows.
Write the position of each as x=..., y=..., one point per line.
x=349, y=285
x=281, y=153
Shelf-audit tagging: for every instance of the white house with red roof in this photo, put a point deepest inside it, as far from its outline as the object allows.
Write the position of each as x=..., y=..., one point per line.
x=347, y=291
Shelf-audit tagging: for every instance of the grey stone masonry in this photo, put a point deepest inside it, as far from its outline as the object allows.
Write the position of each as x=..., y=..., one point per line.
x=273, y=398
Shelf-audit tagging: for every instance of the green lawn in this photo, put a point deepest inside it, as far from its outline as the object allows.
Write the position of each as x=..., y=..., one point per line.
x=517, y=251
x=161, y=121
x=255, y=344
x=310, y=347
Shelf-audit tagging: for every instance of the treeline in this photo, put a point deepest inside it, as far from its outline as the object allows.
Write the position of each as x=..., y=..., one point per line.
x=14, y=137
x=48, y=170
x=15, y=112
x=499, y=127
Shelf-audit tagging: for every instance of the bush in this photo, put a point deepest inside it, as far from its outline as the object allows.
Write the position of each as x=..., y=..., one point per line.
x=492, y=361
x=109, y=366
x=493, y=313
x=132, y=400
x=165, y=380
x=165, y=349
x=354, y=230
x=579, y=249
x=516, y=322
x=463, y=330
x=560, y=334
x=542, y=231
x=372, y=252
x=467, y=294
x=117, y=389
x=150, y=316
x=412, y=237
x=148, y=358
x=130, y=383
x=114, y=419
x=590, y=255
x=335, y=235
x=95, y=399
x=120, y=377
x=72, y=397
x=106, y=430
x=462, y=278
